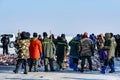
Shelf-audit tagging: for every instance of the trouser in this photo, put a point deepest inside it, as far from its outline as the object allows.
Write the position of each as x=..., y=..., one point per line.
x=34, y=62
x=60, y=61
x=5, y=50
x=19, y=62
x=83, y=62
x=75, y=60
x=109, y=62
x=47, y=62
x=75, y=63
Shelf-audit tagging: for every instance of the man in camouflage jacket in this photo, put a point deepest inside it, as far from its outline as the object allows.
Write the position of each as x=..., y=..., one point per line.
x=22, y=46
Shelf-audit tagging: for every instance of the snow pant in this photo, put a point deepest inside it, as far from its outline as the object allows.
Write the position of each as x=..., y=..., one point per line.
x=83, y=62
x=34, y=62
x=47, y=62
x=19, y=62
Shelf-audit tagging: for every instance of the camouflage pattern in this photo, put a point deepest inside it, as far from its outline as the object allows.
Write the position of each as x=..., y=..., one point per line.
x=23, y=48
x=86, y=47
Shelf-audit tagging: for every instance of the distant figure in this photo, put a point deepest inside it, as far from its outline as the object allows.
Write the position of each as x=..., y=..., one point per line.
x=5, y=42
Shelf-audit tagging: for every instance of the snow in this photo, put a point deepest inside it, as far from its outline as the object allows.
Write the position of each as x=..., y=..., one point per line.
x=67, y=74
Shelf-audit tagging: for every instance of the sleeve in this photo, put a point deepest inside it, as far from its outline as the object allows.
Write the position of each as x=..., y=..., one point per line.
x=40, y=46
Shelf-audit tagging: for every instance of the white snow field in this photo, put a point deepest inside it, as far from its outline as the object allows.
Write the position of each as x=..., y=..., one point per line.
x=6, y=73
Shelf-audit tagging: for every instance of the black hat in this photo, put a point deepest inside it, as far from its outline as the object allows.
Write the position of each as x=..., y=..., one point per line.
x=63, y=35
x=23, y=35
x=34, y=34
x=45, y=34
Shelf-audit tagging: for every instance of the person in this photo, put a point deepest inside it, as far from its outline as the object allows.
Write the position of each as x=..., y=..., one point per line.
x=117, y=50
x=40, y=37
x=5, y=42
x=22, y=47
x=86, y=51
x=74, y=51
x=48, y=52
x=112, y=53
x=61, y=50
x=109, y=47
x=100, y=45
x=35, y=50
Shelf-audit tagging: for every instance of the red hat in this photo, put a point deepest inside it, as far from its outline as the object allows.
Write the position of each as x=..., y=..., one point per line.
x=85, y=35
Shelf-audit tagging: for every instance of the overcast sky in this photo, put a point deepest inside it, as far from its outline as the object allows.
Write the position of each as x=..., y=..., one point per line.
x=60, y=16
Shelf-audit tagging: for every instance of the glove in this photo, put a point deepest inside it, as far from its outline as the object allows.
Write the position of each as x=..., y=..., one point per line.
x=41, y=55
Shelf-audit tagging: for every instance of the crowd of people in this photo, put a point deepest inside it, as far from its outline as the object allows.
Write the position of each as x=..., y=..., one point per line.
x=81, y=47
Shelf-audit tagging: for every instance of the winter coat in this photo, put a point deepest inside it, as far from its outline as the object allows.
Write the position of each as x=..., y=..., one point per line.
x=112, y=48
x=86, y=47
x=61, y=48
x=108, y=45
x=5, y=41
x=35, y=48
x=74, y=48
x=23, y=48
x=48, y=48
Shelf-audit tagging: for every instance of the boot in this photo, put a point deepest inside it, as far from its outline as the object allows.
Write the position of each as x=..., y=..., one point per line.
x=75, y=67
x=112, y=69
x=16, y=69
x=103, y=70
x=30, y=67
x=82, y=68
x=26, y=70
x=46, y=68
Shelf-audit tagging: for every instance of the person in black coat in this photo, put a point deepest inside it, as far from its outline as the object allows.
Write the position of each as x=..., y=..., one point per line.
x=5, y=42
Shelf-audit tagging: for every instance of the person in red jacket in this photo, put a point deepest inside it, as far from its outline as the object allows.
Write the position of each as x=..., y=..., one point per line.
x=35, y=50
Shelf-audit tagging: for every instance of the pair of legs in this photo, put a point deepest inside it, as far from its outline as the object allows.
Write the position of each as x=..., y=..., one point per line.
x=19, y=62
x=83, y=62
x=5, y=50
x=47, y=62
x=33, y=62
x=60, y=61
x=75, y=64
x=109, y=62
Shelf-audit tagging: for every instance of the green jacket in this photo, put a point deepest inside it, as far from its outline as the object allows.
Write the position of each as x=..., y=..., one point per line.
x=48, y=48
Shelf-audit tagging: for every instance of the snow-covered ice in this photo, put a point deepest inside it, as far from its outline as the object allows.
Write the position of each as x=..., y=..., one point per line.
x=7, y=74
